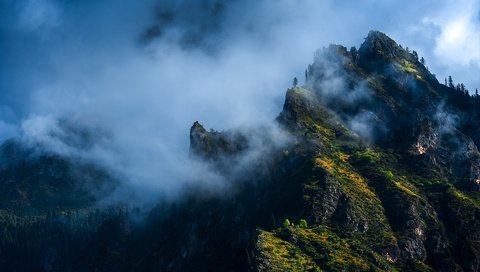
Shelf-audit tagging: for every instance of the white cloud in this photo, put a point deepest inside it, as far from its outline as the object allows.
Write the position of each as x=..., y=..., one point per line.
x=447, y=34
x=459, y=40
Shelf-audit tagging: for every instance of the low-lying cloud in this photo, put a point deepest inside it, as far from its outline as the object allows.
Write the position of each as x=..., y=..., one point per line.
x=138, y=74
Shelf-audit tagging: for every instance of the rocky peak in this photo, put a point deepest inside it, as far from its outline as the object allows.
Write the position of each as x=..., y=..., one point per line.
x=379, y=51
x=198, y=134
x=332, y=53
x=214, y=144
x=379, y=45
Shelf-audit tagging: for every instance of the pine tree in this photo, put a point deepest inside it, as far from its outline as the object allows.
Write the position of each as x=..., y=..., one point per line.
x=422, y=61
x=415, y=54
x=450, y=82
x=295, y=82
x=446, y=82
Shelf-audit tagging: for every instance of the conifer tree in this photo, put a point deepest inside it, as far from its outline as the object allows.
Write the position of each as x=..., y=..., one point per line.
x=450, y=82
x=422, y=60
x=415, y=54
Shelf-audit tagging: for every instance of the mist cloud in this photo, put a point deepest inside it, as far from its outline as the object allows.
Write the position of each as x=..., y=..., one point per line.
x=139, y=73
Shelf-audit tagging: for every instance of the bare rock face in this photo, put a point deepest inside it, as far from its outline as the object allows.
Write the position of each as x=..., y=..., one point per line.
x=427, y=142
x=378, y=47
x=199, y=139
x=452, y=151
x=213, y=144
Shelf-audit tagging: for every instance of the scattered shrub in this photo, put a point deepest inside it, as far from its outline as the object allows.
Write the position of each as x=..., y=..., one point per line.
x=302, y=224
x=389, y=175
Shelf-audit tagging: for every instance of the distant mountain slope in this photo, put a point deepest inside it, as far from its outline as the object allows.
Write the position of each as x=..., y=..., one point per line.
x=34, y=181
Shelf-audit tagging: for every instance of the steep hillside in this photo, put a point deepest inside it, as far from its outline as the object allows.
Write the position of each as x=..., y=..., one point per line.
x=390, y=173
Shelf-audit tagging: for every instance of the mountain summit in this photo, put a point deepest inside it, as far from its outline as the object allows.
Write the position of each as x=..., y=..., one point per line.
x=379, y=47
x=372, y=165
x=384, y=172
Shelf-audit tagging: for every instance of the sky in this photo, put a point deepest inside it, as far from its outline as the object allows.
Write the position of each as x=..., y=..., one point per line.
x=137, y=74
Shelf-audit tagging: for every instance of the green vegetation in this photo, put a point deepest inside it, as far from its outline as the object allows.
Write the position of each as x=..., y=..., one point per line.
x=314, y=249
x=405, y=189
x=410, y=68
x=472, y=199
x=302, y=224
x=366, y=157
x=279, y=255
x=388, y=175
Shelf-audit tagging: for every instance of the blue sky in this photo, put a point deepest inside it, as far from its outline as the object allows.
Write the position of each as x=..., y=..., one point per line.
x=224, y=63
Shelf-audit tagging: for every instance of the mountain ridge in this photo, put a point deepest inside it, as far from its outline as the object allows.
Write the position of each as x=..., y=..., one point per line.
x=372, y=165
x=410, y=96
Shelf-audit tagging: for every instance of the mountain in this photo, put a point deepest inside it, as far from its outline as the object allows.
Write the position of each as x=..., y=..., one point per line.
x=372, y=165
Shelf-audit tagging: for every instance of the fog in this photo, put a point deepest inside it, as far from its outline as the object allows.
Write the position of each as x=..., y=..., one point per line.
x=136, y=75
